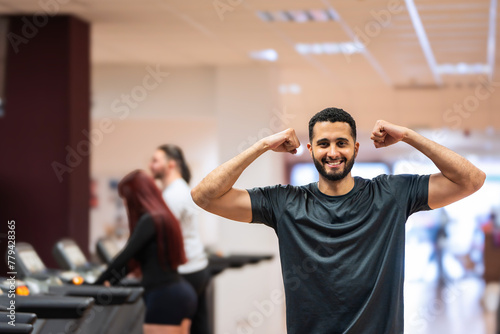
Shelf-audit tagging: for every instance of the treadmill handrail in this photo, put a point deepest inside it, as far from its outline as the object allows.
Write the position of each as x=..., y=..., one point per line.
x=103, y=295
x=51, y=306
x=17, y=329
x=21, y=317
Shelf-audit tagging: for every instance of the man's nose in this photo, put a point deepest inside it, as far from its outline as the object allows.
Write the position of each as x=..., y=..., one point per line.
x=332, y=152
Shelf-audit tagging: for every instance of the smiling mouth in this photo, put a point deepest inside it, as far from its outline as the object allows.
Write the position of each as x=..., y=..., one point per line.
x=334, y=164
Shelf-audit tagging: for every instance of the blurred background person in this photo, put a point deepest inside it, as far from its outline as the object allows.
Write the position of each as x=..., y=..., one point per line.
x=170, y=168
x=439, y=238
x=156, y=245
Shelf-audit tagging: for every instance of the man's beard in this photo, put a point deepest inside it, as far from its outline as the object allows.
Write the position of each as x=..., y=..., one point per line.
x=333, y=176
x=158, y=175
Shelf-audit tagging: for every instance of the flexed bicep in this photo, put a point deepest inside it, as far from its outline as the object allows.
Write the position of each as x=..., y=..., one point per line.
x=442, y=191
x=234, y=204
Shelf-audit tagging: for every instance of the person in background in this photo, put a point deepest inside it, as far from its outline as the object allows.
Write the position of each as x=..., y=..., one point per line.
x=440, y=240
x=156, y=245
x=170, y=168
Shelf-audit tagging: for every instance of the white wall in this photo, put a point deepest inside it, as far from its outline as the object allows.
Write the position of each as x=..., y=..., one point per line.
x=246, y=104
x=210, y=113
x=418, y=107
x=133, y=125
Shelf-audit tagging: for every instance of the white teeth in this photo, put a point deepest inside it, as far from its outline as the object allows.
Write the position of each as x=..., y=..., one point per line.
x=334, y=163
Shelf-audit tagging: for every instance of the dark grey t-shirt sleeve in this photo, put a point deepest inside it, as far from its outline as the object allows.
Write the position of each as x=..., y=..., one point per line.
x=267, y=204
x=411, y=192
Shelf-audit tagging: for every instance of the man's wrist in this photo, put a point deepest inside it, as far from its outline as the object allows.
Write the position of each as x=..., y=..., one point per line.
x=409, y=136
x=260, y=147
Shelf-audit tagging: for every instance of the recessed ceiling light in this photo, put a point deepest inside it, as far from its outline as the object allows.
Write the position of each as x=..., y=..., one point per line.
x=330, y=48
x=266, y=55
x=265, y=16
x=298, y=16
x=293, y=89
x=463, y=68
x=319, y=15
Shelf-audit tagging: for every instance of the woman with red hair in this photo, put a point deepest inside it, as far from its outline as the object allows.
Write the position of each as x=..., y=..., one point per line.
x=156, y=245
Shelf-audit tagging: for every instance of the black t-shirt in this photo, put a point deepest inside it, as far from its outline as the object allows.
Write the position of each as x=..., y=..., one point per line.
x=342, y=257
x=143, y=247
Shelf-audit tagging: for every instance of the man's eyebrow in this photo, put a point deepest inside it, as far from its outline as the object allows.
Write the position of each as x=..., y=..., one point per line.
x=328, y=140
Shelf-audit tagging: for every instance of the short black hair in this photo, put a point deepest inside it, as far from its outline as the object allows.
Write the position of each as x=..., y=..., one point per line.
x=332, y=115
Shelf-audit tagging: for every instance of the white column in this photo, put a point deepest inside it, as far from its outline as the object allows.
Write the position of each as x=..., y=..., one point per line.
x=248, y=108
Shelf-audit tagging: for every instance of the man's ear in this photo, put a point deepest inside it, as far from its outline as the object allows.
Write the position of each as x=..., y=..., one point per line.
x=171, y=164
x=356, y=149
x=309, y=147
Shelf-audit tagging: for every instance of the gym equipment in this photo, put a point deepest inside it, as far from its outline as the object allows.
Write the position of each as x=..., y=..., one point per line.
x=17, y=329
x=117, y=309
x=45, y=314
x=107, y=249
x=69, y=256
x=24, y=322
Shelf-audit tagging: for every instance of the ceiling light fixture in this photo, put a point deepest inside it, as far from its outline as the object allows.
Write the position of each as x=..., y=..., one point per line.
x=463, y=68
x=424, y=41
x=297, y=16
x=330, y=48
x=266, y=55
x=293, y=89
x=492, y=25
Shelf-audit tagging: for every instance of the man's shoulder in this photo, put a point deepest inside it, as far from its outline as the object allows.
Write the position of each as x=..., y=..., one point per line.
x=178, y=185
x=398, y=177
x=284, y=188
x=177, y=190
x=282, y=193
x=395, y=184
x=387, y=178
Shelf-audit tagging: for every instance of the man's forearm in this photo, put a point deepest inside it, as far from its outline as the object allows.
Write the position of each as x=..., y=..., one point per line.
x=452, y=165
x=222, y=179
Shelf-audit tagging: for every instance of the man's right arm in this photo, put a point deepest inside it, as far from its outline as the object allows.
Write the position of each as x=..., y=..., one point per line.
x=215, y=193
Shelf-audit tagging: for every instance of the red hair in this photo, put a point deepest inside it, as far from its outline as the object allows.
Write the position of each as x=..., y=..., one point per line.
x=143, y=196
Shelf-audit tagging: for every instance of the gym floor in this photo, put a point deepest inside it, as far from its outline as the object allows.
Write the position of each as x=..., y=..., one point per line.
x=454, y=307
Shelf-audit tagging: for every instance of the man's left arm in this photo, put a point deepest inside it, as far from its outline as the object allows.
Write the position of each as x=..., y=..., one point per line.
x=458, y=177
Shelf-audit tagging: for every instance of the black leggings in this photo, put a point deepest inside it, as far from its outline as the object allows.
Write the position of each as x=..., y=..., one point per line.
x=199, y=281
x=170, y=304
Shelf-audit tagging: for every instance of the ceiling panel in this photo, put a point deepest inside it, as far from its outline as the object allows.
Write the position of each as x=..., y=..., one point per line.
x=197, y=32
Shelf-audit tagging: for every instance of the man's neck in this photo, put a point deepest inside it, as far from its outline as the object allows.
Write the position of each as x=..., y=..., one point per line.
x=336, y=188
x=170, y=178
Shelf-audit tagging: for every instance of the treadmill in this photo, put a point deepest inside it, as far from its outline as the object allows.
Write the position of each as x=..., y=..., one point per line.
x=107, y=250
x=43, y=314
x=117, y=309
x=69, y=256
